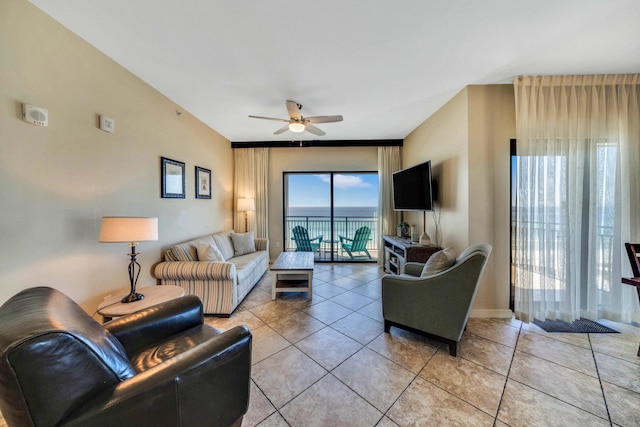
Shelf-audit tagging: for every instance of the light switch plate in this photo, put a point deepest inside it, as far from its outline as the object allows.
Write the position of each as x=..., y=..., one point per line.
x=107, y=124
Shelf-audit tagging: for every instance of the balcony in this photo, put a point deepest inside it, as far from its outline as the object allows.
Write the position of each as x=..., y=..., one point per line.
x=330, y=248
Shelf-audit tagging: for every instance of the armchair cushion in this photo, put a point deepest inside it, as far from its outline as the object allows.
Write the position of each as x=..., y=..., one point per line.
x=439, y=261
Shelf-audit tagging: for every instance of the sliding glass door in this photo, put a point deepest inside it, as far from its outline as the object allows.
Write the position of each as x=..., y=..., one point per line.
x=338, y=210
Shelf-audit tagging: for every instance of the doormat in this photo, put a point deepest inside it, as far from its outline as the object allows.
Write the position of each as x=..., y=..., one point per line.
x=580, y=326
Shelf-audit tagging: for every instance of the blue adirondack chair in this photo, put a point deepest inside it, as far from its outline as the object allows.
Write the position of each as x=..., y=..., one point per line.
x=303, y=242
x=357, y=247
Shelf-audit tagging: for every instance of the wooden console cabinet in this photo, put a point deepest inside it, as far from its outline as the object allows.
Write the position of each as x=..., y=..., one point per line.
x=399, y=250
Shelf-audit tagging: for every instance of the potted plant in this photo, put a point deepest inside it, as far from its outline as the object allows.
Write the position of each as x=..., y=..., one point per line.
x=402, y=230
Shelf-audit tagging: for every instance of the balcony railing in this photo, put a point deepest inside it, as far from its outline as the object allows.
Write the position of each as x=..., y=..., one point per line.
x=342, y=226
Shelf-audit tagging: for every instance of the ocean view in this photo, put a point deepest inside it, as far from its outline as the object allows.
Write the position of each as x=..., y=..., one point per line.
x=325, y=211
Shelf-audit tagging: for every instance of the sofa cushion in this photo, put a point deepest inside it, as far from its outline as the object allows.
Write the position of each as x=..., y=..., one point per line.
x=243, y=243
x=223, y=241
x=209, y=252
x=439, y=261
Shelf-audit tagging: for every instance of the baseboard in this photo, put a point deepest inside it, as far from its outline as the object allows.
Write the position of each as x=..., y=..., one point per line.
x=497, y=314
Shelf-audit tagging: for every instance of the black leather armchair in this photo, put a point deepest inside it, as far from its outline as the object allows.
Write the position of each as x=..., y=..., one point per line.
x=161, y=366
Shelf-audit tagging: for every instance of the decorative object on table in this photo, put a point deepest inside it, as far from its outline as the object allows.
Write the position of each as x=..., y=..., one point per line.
x=131, y=230
x=403, y=229
x=246, y=205
x=203, y=183
x=172, y=179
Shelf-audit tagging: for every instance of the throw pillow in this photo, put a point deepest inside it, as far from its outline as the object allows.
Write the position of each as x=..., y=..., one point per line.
x=243, y=243
x=439, y=261
x=208, y=252
x=223, y=242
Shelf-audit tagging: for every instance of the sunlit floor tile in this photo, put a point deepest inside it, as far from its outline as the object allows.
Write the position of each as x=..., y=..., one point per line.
x=494, y=330
x=409, y=350
x=619, y=372
x=523, y=406
x=266, y=342
x=359, y=327
x=487, y=353
x=374, y=377
x=328, y=347
x=352, y=300
x=328, y=311
x=470, y=382
x=286, y=374
x=296, y=326
x=424, y=404
x=259, y=407
x=623, y=405
x=568, y=385
x=562, y=353
x=330, y=403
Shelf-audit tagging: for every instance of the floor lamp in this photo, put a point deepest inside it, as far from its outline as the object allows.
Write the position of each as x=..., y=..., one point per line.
x=246, y=205
x=131, y=230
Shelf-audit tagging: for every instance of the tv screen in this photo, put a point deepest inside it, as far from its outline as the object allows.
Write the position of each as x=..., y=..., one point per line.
x=412, y=188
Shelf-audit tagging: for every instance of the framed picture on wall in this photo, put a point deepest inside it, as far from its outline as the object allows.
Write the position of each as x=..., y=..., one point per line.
x=203, y=183
x=172, y=179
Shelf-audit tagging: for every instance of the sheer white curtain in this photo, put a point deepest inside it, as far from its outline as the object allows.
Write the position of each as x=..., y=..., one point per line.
x=577, y=169
x=389, y=161
x=251, y=177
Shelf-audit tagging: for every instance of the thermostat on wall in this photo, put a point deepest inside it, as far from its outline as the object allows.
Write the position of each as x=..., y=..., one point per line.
x=35, y=115
x=107, y=124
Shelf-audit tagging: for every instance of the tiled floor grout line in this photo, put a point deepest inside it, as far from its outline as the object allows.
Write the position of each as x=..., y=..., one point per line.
x=513, y=356
x=604, y=396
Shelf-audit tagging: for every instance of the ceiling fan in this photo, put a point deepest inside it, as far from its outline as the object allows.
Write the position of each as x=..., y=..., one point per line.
x=298, y=123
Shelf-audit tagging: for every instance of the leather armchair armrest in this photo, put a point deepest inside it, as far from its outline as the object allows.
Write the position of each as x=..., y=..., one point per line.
x=145, y=327
x=178, y=392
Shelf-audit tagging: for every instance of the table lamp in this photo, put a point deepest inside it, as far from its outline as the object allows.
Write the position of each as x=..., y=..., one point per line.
x=132, y=230
x=246, y=205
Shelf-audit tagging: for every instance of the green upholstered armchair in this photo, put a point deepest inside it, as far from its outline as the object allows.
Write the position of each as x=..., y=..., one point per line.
x=436, y=306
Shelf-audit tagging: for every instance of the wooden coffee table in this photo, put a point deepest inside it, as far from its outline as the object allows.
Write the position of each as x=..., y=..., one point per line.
x=292, y=272
x=113, y=307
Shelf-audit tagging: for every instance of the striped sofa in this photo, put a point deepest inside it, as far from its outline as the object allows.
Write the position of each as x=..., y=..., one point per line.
x=220, y=285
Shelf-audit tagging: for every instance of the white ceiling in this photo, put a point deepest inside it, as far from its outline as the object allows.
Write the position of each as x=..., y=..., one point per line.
x=385, y=65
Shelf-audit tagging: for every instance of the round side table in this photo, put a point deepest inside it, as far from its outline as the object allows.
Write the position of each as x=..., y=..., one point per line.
x=113, y=306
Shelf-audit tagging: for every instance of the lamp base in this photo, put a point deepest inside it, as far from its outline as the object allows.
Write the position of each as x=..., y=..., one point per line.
x=132, y=297
x=425, y=239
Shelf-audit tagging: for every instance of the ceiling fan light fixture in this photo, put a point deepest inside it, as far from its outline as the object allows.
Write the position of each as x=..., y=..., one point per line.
x=296, y=127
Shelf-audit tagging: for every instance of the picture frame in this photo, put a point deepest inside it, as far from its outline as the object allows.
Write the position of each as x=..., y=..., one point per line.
x=203, y=183
x=172, y=178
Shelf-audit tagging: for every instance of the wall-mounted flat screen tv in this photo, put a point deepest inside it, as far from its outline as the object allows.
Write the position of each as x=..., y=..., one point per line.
x=413, y=188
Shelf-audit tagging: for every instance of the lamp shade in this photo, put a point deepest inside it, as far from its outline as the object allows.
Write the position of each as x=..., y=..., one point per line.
x=246, y=205
x=120, y=229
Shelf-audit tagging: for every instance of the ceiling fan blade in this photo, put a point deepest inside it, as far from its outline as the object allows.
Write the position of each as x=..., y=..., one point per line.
x=268, y=118
x=283, y=129
x=323, y=119
x=314, y=130
x=293, y=109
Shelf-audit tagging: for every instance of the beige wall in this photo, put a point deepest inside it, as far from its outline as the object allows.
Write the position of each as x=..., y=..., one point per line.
x=312, y=159
x=467, y=141
x=57, y=182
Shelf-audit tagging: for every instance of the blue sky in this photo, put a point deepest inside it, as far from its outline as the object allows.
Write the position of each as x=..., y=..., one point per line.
x=350, y=189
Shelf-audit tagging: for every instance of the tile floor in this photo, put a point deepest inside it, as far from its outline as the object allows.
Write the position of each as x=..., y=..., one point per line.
x=327, y=362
